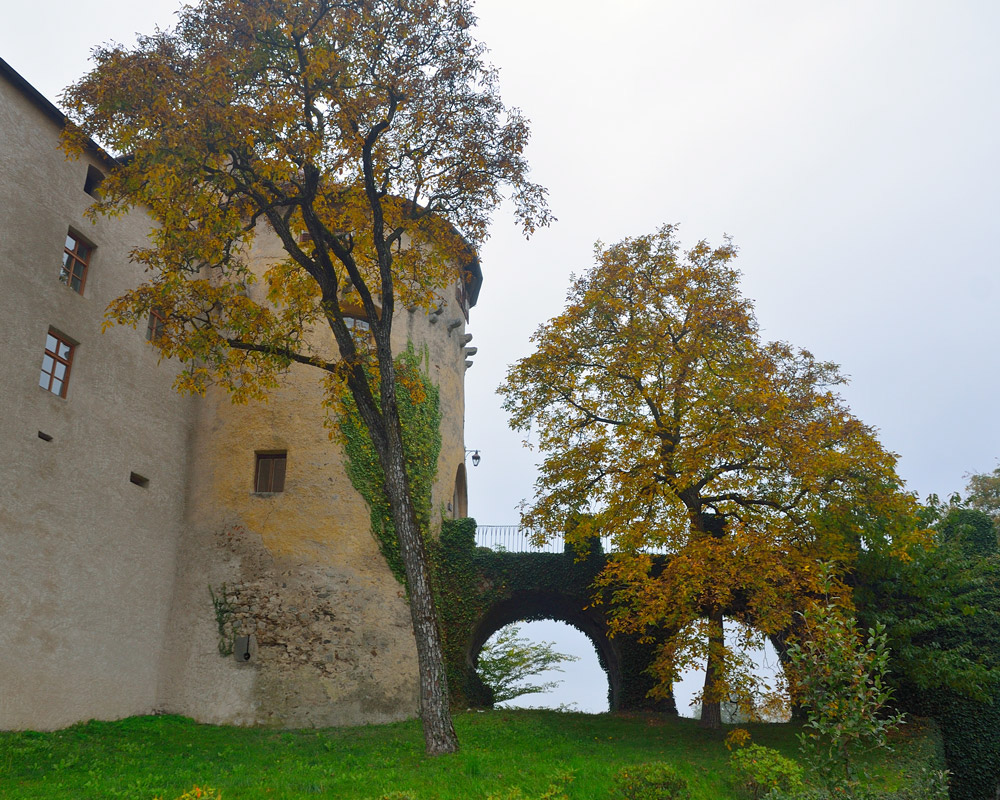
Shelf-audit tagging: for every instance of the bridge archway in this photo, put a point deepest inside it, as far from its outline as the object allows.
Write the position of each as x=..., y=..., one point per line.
x=529, y=606
x=764, y=658
x=482, y=591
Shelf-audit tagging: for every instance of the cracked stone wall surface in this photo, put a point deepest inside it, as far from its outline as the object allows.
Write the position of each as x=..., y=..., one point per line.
x=331, y=647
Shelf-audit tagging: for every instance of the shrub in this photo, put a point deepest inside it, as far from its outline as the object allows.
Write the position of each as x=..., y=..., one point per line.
x=928, y=785
x=806, y=794
x=656, y=781
x=840, y=682
x=552, y=793
x=757, y=770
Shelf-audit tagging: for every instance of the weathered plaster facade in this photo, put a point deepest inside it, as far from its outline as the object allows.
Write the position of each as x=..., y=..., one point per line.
x=105, y=609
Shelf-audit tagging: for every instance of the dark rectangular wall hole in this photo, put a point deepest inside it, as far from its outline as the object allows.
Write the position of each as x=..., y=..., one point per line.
x=44, y=436
x=138, y=479
x=93, y=182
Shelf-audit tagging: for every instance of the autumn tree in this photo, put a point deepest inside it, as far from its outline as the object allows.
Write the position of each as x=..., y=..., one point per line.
x=661, y=413
x=364, y=134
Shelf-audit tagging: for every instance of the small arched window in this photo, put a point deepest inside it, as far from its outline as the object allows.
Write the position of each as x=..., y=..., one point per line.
x=460, y=498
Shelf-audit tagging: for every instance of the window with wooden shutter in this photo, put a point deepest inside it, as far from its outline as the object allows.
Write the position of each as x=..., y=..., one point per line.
x=270, y=473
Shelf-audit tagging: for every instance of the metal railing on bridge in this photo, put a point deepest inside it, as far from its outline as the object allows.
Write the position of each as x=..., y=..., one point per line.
x=514, y=539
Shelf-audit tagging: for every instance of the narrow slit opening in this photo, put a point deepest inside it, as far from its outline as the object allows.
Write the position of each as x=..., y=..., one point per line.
x=44, y=436
x=138, y=479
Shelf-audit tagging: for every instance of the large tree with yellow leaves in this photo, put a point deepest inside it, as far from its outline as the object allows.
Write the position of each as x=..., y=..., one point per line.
x=363, y=133
x=669, y=426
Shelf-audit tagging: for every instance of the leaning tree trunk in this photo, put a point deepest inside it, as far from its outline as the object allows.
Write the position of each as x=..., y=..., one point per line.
x=711, y=703
x=435, y=714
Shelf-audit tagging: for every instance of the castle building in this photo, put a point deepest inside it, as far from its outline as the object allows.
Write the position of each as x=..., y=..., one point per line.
x=169, y=553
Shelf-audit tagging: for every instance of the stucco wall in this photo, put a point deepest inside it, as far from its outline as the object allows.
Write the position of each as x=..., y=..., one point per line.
x=88, y=558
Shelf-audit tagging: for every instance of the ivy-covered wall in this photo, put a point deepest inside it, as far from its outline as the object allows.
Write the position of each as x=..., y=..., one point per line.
x=480, y=591
x=941, y=610
x=420, y=417
x=971, y=734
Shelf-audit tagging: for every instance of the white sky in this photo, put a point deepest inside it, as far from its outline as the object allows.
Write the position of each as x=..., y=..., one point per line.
x=849, y=148
x=852, y=149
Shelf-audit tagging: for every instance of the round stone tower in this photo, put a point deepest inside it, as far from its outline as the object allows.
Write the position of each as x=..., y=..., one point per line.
x=285, y=610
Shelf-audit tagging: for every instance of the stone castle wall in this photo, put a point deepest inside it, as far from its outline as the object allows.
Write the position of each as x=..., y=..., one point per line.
x=105, y=599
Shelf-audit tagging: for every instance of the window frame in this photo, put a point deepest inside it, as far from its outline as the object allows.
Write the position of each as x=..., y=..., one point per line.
x=72, y=259
x=155, y=325
x=58, y=358
x=358, y=324
x=269, y=484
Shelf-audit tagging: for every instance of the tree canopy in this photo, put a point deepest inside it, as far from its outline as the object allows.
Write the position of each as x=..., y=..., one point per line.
x=983, y=494
x=661, y=413
x=364, y=134
x=941, y=611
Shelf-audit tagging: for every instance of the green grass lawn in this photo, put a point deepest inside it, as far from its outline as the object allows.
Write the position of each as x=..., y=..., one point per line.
x=147, y=757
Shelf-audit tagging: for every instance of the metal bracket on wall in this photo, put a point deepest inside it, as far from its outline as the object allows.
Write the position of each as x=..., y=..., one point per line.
x=245, y=649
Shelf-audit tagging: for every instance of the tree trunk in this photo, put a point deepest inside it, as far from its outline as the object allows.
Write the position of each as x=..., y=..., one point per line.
x=711, y=702
x=387, y=438
x=435, y=714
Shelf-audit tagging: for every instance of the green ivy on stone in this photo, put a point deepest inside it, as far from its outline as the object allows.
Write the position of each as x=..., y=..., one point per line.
x=419, y=405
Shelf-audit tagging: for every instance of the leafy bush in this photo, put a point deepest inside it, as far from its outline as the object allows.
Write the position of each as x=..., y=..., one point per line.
x=552, y=793
x=656, y=781
x=928, y=785
x=971, y=733
x=839, y=678
x=757, y=770
x=942, y=613
x=806, y=794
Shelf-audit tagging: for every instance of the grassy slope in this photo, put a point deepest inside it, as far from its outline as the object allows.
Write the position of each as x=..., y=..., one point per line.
x=147, y=757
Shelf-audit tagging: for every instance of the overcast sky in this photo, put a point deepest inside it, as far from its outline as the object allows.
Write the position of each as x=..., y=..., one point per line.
x=851, y=149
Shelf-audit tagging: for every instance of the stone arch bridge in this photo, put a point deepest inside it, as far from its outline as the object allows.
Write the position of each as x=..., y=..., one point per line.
x=482, y=590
